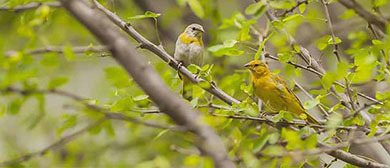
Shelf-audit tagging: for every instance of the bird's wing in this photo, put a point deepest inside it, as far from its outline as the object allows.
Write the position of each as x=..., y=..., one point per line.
x=283, y=87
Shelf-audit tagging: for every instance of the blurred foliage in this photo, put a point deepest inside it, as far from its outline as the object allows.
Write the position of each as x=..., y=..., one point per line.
x=231, y=39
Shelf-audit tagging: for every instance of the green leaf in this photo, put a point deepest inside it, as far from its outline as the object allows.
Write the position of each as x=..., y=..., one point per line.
x=3, y=110
x=277, y=24
x=328, y=79
x=337, y=39
x=302, y=7
x=197, y=8
x=256, y=9
x=140, y=97
x=118, y=77
x=349, y=13
x=160, y=134
x=245, y=28
x=292, y=17
x=284, y=57
x=342, y=69
x=50, y=60
x=259, y=144
x=379, y=3
x=194, y=102
x=148, y=14
x=282, y=4
x=192, y=160
x=57, y=82
x=261, y=46
x=14, y=106
x=227, y=48
x=334, y=120
x=70, y=122
x=323, y=42
x=68, y=53
x=181, y=3
x=311, y=103
x=122, y=104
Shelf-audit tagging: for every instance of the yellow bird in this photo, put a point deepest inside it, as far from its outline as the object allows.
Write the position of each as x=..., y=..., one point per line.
x=189, y=50
x=274, y=92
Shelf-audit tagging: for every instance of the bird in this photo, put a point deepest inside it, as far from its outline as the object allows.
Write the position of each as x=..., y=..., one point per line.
x=274, y=92
x=189, y=50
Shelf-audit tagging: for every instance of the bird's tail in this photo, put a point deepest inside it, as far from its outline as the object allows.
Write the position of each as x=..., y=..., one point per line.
x=311, y=119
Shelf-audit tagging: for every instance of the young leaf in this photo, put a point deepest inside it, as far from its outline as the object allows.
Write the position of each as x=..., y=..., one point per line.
x=148, y=14
x=68, y=53
x=302, y=7
x=196, y=7
x=256, y=9
x=57, y=82
x=310, y=104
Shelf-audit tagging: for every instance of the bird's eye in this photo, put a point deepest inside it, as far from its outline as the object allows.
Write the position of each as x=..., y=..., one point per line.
x=256, y=65
x=194, y=28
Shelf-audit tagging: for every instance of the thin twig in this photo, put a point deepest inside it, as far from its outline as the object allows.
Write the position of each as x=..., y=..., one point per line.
x=61, y=142
x=311, y=97
x=106, y=112
x=60, y=50
x=336, y=52
x=293, y=8
x=32, y=5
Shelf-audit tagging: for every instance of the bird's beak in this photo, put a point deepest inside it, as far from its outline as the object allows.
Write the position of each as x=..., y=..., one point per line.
x=201, y=30
x=247, y=65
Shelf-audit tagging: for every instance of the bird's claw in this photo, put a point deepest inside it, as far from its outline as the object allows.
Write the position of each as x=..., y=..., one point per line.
x=178, y=69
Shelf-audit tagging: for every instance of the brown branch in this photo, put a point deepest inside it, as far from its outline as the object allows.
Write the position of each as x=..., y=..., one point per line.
x=329, y=21
x=61, y=142
x=311, y=97
x=328, y=149
x=147, y=78
x=294, y=7
x=264, y=120
x=144, y=43
x=368, y=16
x=32, y=5
x=95, y=108
x=336, y=52
x=60, y=50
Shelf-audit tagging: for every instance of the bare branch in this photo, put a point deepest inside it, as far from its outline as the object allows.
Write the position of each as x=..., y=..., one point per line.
x=105, y=112
x=60, y=50
x=368, y=16
x=265, y=120
x=336, y=52
x=294, y=7
x=32, y=5
x=148, y=79
x=61, y=142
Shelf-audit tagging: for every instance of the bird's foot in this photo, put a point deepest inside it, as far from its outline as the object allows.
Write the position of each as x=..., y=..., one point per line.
x=178, y=69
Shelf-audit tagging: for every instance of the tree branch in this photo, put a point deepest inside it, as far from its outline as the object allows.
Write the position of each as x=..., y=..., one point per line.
x=32, y=5
x=105, y=112
x=368, y=16
x=148, y=79
x=60, y=50
x=61, y=142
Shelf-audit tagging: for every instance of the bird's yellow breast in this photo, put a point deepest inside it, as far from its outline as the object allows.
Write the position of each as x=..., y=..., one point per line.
x=186, y=39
